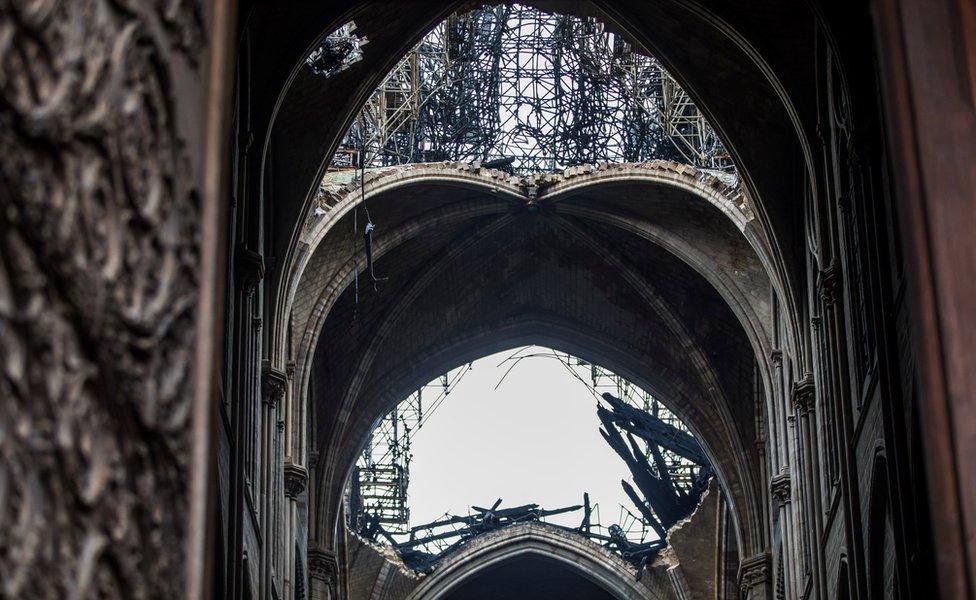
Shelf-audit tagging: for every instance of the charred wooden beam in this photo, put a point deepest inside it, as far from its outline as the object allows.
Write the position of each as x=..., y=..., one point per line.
x=660, y=502
x=648, y=427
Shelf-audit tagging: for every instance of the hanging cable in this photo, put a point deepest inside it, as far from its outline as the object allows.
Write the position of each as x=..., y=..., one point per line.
x=355, y=251
x=370, y=227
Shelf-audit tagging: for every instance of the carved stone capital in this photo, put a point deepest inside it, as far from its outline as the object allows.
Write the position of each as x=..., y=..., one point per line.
x=830, y=284
x=248, y=269
x=322, y=565
x=273, y=385
x=296, y=478
x=753, y=573
x=781, y=487
x=816, y=322
x=804, y=395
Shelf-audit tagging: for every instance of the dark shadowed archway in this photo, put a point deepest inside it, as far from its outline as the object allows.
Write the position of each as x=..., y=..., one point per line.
x=533, y=561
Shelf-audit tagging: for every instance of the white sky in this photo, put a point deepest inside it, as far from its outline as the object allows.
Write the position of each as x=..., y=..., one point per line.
x=534, y=439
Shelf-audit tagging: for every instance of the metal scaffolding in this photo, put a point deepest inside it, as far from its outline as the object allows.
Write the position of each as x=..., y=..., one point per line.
x=529, y=91
x=381, y=477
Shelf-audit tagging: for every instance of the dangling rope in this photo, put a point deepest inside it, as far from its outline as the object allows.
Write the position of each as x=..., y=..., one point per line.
x=355, y=250
x=370, y=227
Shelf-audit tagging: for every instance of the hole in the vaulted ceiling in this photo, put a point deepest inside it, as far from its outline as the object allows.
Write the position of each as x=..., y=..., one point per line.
x=340, y=49
x=516, y=437
x=527, y=90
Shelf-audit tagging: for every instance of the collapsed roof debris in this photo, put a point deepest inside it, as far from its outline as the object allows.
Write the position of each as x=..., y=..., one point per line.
x=458, y=528
x=664, y=502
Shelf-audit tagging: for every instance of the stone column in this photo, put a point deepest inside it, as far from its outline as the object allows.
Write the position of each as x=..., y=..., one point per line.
x=323, y=571
x=273, y=384
x=833, y=368
x=754, y=578
x=804, y=398
x=839, y=398
x=295, y=482
x=249, y=270
x=780, y=488
x=777, y=416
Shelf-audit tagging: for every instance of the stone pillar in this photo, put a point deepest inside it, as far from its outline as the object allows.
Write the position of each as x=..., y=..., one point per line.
x=323, y=572
x=838, y=398
x=273, y=384
x=777, y=417
x=833, y=368
x=754, y=578
x=780, y=488
x=249, y=270
x=804, y=398
x=295, y=481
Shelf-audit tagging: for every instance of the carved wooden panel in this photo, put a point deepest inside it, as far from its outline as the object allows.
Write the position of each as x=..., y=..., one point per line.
x=99, y=205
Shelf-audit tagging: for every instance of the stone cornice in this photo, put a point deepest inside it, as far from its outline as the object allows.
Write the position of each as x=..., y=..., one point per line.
x=296, y=479
x=830, y=284
x=273, y=385
x=248, y=268
x=780, y=487
x=753, y=573
x=322, y=565
x=804, y=395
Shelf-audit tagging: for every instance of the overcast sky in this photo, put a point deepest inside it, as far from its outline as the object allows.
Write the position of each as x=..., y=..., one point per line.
x=534, y=439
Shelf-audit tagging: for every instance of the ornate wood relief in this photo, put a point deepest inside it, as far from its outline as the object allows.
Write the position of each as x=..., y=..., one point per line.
x=98, y=258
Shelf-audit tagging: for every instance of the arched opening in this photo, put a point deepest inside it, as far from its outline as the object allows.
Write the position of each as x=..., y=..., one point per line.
x=650, y=187
x=843, y=585
x=234, y=233
x=535, y=575
x=647, y=245
x=560, y=562
x=564, y=441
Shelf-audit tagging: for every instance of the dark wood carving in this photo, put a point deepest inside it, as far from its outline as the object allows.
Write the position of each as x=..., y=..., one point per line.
x=99, y=214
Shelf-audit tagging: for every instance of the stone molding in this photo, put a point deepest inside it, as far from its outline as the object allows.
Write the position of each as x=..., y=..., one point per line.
x=249, y=269
x=322, y=565
x=273, y=385
x=781, y=487
x=296, y=479
x=585, y=556
x=830, y=284
x=804, y=395
x=753, y=573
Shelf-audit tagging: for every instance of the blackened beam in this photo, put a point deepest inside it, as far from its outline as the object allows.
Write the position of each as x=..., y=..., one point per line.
x=653, y=429
x=476, y=524
x=668, y=503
